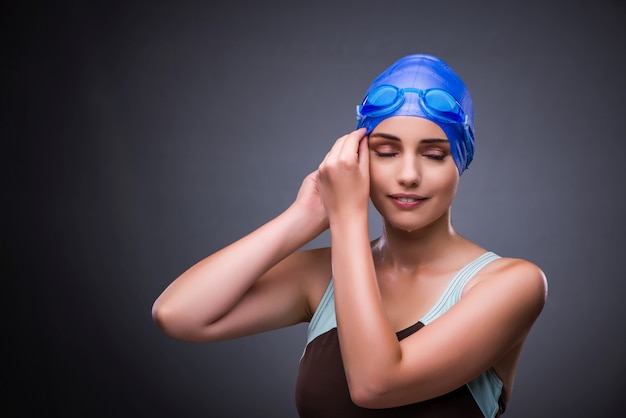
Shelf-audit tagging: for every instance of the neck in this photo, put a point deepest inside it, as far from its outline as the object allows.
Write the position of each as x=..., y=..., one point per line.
x=413, y=249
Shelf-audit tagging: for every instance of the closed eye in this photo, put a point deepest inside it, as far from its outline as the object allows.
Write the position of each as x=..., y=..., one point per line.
x=436, y=157
x=386, y=154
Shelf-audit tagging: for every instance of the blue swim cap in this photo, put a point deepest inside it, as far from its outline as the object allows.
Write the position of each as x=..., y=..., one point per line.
x=424, y=86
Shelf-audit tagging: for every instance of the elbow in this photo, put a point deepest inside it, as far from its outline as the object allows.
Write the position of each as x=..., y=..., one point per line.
x=363, y=399
x=368, y=394
x=163, y=317
x=173, y=322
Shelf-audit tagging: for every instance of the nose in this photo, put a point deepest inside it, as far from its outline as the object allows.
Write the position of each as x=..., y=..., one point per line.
x=409, y=174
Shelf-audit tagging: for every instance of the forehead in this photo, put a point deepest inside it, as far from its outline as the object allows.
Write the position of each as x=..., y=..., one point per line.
x=410, y=127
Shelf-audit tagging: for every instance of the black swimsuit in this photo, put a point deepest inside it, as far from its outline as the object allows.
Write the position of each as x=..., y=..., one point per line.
x=322, y=389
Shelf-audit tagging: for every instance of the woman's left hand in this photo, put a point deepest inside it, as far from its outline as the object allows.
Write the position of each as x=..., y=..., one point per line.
x=344, y=176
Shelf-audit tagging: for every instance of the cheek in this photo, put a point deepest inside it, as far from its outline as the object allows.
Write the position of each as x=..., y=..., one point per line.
x=451, y=184
x=445, y=180
x=372, y=170
x=378, y=174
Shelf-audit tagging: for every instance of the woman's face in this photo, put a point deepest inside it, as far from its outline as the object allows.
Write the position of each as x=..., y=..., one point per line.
x=413, y=178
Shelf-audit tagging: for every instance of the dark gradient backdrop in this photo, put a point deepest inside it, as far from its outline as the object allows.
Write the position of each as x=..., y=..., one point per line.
x=138, y=138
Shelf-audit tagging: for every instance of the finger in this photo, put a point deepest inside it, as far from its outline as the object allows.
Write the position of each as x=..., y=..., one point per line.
x=335, y=151
x=350, y=145
x=330, y=157
x=345, y=147
x=364, y=155
x=313, y=175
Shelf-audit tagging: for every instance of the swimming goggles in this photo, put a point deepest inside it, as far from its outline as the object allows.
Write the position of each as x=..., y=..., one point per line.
x=436, y=103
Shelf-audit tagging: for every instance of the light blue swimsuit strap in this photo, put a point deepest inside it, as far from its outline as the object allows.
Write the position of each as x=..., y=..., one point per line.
x=453, y=292
x=324, y=318
x=486, y=388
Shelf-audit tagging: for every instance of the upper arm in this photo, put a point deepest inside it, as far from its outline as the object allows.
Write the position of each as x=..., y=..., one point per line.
x=492, y=317
x=281, y=297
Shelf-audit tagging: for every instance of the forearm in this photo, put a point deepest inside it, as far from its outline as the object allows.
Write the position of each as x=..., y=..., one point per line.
x=212, y=287
x=369, y=345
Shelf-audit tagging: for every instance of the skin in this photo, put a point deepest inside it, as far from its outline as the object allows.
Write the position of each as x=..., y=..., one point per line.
x=381, y=286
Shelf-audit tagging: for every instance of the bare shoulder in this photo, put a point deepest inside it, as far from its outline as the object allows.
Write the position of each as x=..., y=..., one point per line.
x=513, y=278
x=518, y=271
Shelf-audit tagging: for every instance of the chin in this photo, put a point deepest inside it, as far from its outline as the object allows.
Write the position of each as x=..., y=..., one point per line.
x=406, y=226
x=414, y=223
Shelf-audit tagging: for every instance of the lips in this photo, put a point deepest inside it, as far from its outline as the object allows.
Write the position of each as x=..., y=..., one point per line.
x=405, y=200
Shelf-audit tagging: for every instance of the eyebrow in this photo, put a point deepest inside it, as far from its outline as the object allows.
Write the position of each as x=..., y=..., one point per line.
x=395, y=138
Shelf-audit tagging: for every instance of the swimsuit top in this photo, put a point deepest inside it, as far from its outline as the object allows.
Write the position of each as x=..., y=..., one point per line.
x=322, y=390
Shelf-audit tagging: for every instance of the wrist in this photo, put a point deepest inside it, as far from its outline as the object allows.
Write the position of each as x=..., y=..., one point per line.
x=349, y=222
x=348, y=216
x=304, y=222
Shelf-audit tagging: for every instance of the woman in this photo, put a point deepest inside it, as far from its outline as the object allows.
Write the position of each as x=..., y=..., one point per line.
x=420, y=322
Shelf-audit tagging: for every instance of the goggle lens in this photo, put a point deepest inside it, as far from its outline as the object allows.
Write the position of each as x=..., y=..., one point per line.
x=440, y=101
x=437, y=103
x=382, y=101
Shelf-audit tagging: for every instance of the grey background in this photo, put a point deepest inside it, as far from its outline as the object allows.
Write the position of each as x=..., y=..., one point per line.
x=138, y=138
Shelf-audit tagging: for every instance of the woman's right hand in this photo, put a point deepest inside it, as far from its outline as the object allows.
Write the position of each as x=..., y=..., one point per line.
x=310, y=201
